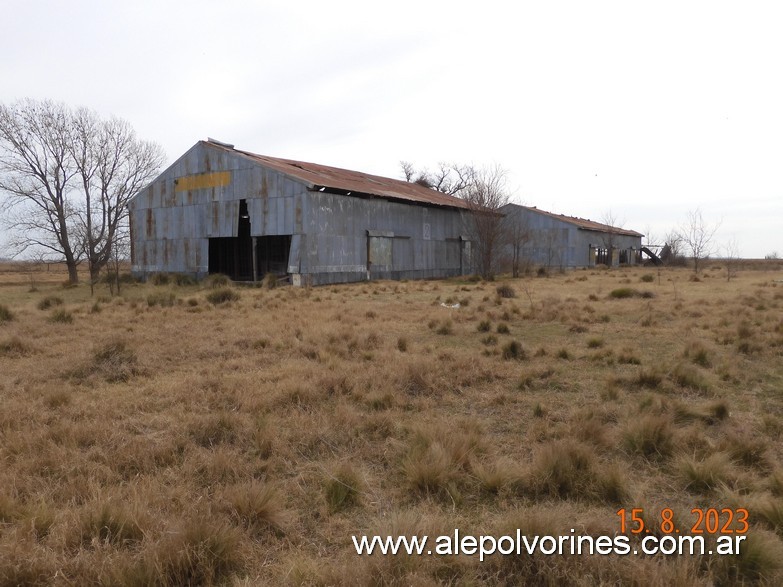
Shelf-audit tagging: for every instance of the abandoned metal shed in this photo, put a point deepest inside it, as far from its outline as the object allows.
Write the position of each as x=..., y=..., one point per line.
x=565, y=242
x=221, y=210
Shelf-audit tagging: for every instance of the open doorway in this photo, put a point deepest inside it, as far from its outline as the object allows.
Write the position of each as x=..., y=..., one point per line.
x=233, y=256
x=272, y=254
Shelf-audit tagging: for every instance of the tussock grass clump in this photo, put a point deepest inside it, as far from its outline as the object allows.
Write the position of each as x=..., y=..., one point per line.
x=503, y=328
x=445, y=327
x=214, y=429
x=49, y=302
x=269, y=281
x=595, y=343
x=484, y=326
x=5, y=314
x=162, y=299
x=109, y=522
x=402, y=344
x=688, y=376
x=504, y=290
x=418, y=379
x=183, y=280
x=496, y=475
x=14, y=347
x=200, y=551
x=513, y=350
x=623, y=292
x=629, y=292
x=647, y=378
x=216, y=281
x=651, y=436
x=697, y=353
x=647, y=278
x=707, y=475
x=221, y=296
x=115, y=361
x=61, y=317
x=439, y=457
x=760, y=560
x=159, y=279
x=748, y=450
x=256, y=506
x=565, y=470
x=342, y=488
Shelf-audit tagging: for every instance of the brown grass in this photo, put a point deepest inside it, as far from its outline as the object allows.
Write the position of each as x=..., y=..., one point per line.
x=243, y=443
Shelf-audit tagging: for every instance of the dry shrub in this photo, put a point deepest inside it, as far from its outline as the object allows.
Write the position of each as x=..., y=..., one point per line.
x=506, y=291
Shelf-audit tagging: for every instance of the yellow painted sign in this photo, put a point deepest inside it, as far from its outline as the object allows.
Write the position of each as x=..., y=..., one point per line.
x=202, y=181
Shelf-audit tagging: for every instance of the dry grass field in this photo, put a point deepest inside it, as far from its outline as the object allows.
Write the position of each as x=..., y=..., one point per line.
x=203, y=434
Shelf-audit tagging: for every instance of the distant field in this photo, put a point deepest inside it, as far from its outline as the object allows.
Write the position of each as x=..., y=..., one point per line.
x=220, y=434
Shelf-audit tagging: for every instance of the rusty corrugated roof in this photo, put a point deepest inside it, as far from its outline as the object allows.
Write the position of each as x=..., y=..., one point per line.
x=584, y=223
x=318, y=176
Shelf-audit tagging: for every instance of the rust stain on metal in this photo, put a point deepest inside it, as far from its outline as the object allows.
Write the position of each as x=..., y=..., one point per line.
x=202, y=181
x=150, y=223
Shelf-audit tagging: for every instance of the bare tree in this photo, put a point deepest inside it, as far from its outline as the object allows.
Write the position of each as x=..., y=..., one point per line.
x=450, y=178
x=518, y=235
x=112, y=165
x=37, y=177
x=672, y=251
x=697, y=236
x=485, y=197
x=610, y=235
x=731, y=255
x=68, y=176
x=484, y=191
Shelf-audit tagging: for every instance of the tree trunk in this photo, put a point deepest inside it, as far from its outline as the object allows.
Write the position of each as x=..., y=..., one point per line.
x=73, y=275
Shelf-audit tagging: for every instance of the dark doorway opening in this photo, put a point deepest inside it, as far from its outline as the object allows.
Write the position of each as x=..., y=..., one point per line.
x=233, y=256
x=272, y=254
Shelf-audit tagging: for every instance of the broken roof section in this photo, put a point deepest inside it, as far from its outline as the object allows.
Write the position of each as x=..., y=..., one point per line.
x=349, y=182
x=582, y=223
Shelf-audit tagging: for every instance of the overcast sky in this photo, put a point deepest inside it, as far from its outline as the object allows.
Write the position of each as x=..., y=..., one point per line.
x=647, y=110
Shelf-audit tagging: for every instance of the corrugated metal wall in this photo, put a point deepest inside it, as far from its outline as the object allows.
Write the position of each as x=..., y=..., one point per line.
x=198, y=197
x=557, y=244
